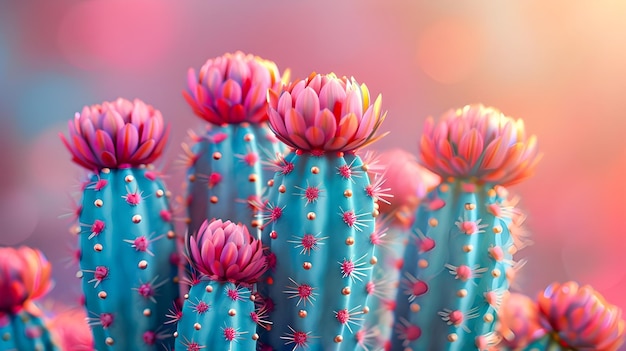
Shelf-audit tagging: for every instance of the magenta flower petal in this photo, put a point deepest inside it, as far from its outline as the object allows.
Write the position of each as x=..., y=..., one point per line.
x=127, y=142
x=24, y=275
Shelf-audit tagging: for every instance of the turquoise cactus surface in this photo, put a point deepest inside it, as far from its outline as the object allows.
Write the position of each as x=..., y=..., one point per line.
x=319, y=224
x=128, y=259
x=455, y=269
x=227, y=171
x=217, y=316
x=24, y=331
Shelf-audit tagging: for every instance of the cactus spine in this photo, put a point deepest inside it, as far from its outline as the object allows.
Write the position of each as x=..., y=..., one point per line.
x=455, y=272
x=128, y=261
x=319, y=218
x=225, y=168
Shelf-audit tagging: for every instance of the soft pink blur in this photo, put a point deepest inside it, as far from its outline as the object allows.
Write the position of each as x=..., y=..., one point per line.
x=559, y=65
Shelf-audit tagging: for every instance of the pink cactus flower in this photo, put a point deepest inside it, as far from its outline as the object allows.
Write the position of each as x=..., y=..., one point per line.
x=71, y=330
x=518, y=321
x=479, y=142
x=226, y=252
x=580, y=318
x=233, y=88
x=324, y=113
x=24, y=276
x=116, y=134
x=407, y=180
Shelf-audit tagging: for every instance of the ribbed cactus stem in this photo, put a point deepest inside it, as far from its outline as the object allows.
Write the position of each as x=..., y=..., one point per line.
x=456, y=269
x=217, y=316
x=319, y=226
x=227, y=172
x=128, y=259
x=24, y=331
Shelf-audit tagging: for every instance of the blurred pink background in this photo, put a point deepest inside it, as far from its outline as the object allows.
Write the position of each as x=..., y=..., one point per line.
x=559, y=65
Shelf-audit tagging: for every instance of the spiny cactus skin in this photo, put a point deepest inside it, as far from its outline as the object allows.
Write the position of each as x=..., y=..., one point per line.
x=217, y=316
x=225, y=165
x=25, y=331
x=128, y=261
x=320, y=232
x=457, y=268
x=128, y=264
x=227, y=172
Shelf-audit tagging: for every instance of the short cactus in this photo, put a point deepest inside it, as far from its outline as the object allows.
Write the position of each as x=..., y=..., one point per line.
x=128, y=261
x=24, y=277
x=455, y=271
x=219, y=311
x=225, y=165
x=398, y=172
x=319, y=216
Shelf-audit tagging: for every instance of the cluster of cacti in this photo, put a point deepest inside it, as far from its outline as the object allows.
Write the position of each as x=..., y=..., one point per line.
x=455, y=272
x=342, y=252
x=128, y=247
x=398, y=172
x=565, y=317
x=24, y=277
x=319, y=221
x=226, y=171
x=219, y=310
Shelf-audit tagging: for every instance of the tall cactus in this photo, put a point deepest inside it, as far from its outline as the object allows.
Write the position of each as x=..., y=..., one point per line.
x=24, y=277
x=226, y=170
x=319, y=215
x=398, y=172
x=565, y=317
x=127, y=242
x=219, y=310
x=455, y=272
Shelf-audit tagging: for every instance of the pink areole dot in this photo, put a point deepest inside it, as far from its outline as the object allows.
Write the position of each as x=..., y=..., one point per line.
x=360, y=336
x=149, y=337
x=230, y=334
x=413, y=332
x=100, y=184
x=491, y=297
x=419, y=288
x=219, y=137
x=426, y=244
x=286, y=168
x=165, y=215
x=468, y=227
x=201, y=307
x=214, y=179
x=347, y=267
x=141, y=243
x=497, y=253
x=300, y=338
x=101, y=273
x=275, y=213
x=33, y=332
x=311, y=193
x=251, y=158
x=495, y=209
x=254, y=316
x=389, y=304
x=145, y=290
x=376, y=238
x=309, y=242
x=436, y=204
x=106, y=319
x=192, y=346
x=150, y=175
x=233, y=294
x=133, y=199
x=463, y=272
x=349, y=218
x=345, y=171
x=343, y=316
x=97, y=227
x=370, y=287
x=305, y=291
x=456, y=317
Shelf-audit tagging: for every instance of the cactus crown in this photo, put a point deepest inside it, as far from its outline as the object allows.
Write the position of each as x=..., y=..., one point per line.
x=116, y=134
x=232, y=88
x=24, y=275
x=479, y=142
x=324, y=113
x=226, y=252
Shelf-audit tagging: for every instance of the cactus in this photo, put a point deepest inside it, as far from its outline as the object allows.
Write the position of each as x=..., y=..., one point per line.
x=128, y=247
x=565, y=317
x=225, y=165
x=398, y=172
x=455, y=271
x=24, y=277
x=319, y=215
x=219, y=311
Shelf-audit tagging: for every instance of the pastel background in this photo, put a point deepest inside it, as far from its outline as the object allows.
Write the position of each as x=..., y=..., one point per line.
x=559, y=65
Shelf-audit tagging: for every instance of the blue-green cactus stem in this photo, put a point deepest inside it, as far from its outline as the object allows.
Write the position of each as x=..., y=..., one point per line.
x=319, y=224
x=217, y=316
x=455, y=269
x=227, y=173
x=128, y=259
x=24, y=331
